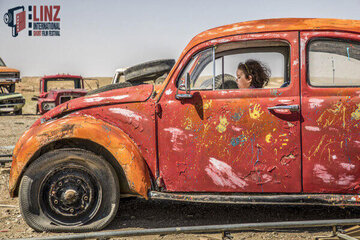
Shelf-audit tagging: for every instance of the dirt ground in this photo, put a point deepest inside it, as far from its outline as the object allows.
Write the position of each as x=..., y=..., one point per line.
x=141, y=214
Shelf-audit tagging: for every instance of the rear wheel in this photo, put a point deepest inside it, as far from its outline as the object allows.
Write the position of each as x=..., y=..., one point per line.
x=69, y=190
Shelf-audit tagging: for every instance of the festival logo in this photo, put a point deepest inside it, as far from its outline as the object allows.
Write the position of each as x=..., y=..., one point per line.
x=42, y=21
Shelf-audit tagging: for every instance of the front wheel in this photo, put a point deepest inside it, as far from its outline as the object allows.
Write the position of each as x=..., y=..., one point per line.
x=69, y=190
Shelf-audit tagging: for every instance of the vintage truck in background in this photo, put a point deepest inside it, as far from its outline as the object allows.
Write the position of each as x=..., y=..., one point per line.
x=57, y=89
x=191, y=138
x=9, y=100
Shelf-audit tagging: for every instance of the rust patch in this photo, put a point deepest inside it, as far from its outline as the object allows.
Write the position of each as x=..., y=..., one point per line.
x=49, y=136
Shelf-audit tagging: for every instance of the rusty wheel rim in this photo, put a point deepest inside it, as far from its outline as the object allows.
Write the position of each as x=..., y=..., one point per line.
x=70, y=195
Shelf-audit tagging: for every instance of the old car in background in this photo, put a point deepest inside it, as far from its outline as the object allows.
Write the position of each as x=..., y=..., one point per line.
x=9, y=100
x=199, y=136
x=57, y=89
x=153, y=72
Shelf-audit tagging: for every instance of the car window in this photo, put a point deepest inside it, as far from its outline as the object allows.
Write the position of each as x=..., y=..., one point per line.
x=200, y=69
x=334, y=63
x=259, y=62
x=61, y=84
x=266, y=65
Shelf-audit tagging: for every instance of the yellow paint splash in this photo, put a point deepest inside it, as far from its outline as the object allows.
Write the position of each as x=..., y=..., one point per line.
x=268, y=138
x=188, y=124
x=222, y=125
x=356, y=114
x=207, y=104
x=255, y=112
x=331, y=116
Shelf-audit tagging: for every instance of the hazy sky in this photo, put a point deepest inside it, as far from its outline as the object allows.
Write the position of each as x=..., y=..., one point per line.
x=99, y=36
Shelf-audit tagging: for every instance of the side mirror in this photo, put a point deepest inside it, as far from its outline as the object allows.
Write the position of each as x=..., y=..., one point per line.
x=187, y=93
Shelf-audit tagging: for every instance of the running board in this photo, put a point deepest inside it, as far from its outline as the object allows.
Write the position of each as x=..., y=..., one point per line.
x=285, y=199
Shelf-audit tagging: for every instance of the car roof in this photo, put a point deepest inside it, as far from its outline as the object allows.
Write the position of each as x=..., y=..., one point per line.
x=60, y=76
x=275, y=25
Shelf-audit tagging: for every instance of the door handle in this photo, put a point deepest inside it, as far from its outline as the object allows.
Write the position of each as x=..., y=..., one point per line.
x=292, y=108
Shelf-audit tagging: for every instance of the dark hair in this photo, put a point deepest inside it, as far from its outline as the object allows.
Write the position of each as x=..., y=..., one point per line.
x=259, y=72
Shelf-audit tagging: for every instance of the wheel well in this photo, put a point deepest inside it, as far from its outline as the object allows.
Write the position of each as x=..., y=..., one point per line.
x=89, y=146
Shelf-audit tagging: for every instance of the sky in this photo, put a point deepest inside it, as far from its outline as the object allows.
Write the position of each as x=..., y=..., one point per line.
x=97, y=37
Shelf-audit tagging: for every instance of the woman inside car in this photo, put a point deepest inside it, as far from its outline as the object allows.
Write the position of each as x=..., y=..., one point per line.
x=252, y=74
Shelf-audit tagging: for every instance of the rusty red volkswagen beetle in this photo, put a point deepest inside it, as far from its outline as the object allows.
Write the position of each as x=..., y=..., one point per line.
x=199, y=137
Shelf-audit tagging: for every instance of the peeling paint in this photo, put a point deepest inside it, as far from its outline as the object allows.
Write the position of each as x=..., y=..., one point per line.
x=315, y=102
x=322, y=173
x=312, y=128
x=126, y=113
x=223, y=175
x=168, y=92
x=98, y=99
x=177, y=137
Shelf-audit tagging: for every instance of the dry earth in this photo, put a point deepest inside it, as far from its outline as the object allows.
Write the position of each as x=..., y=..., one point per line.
x=141, y=214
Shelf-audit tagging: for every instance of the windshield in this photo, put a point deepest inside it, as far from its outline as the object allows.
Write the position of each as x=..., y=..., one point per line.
x=2, y=64
x=59, y=83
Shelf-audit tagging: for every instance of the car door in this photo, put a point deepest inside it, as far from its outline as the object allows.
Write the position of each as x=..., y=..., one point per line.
x=330, y=90
x=232, y=140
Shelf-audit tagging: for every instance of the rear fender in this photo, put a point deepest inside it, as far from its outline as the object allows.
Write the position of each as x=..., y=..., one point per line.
x=111, y=138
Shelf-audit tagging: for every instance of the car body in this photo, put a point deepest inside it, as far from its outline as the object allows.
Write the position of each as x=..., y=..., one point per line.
x=50, y=98
x=295, y=141
x=9, y=100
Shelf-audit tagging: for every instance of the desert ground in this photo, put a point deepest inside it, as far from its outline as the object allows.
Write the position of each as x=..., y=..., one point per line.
x=141, y=214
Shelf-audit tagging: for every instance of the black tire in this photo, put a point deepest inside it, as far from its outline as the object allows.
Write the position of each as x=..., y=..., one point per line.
x=229, y=82
x=148, y=70
x=18, y=112
x=110, y=87
x=69, y=190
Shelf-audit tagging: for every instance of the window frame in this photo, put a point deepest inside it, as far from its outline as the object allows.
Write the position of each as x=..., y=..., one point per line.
x=286, y=55
x=335, y=39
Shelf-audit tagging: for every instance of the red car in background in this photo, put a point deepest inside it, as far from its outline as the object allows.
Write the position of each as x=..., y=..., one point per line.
x=57, y=89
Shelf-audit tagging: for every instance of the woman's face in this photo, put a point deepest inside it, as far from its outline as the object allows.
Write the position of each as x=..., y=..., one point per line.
x=241, y=79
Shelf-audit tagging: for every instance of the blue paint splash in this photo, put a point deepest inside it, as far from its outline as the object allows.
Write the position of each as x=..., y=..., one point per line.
x=238, y=140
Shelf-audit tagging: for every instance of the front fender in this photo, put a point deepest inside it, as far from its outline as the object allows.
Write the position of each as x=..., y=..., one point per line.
x=112, y=138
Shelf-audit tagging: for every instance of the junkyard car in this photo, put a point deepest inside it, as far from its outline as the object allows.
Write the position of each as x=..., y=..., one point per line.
x=9, y=100
x=57, y=89
x=296, y=141
x=148, y=72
